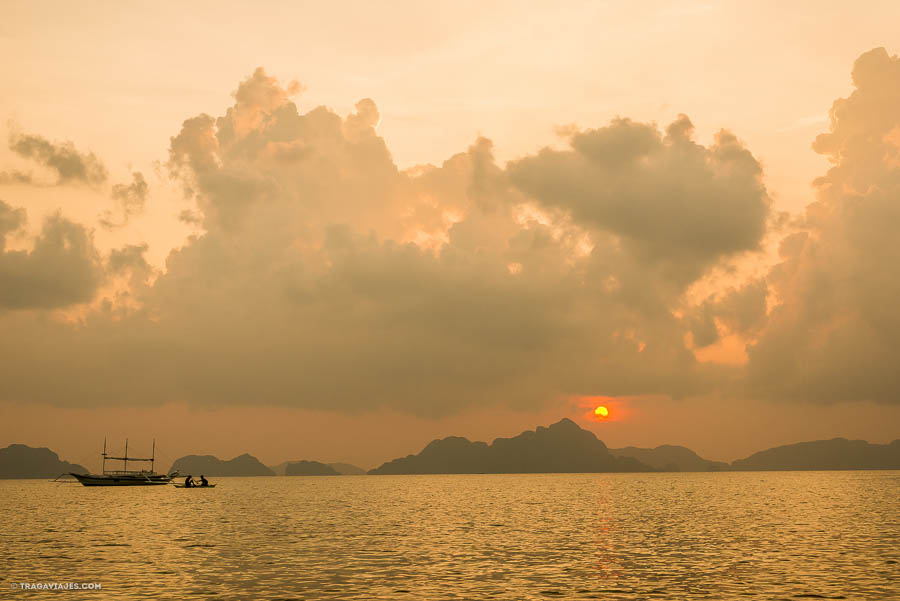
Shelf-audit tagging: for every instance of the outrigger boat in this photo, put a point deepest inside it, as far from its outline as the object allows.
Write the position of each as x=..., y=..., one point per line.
x=124, y=476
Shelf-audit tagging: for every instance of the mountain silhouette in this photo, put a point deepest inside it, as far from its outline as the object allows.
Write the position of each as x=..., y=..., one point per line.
x=347, y=469
x=834, y=454
x=671, y=458
x=309, y=468
x=563, y=447
x=344, y=469
x=22, y=461
x=242, y=465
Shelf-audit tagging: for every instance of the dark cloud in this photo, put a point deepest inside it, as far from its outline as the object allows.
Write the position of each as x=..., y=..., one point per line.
x=70, y=165
x=61, y=269
x=673, y=202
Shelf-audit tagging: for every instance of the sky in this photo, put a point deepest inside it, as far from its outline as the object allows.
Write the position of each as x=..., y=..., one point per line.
x=336, y=232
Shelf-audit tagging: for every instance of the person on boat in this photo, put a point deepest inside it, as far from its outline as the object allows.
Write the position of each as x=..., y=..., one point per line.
x=189, y=482
x=203, y=481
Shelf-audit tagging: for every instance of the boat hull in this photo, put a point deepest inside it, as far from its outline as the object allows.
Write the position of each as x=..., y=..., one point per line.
x=122, y=480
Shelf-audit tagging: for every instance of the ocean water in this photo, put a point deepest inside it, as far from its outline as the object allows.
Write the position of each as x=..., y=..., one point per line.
x=756, y=535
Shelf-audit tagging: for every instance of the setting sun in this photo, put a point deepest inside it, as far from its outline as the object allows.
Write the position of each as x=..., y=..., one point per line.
x=603, y=408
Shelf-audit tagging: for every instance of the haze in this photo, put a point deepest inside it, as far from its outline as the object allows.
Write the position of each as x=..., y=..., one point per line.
x=337, y=232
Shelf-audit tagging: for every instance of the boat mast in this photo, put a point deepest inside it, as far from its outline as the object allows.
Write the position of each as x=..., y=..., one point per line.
x=125, y=465
x=104, y=454
x=153, y=455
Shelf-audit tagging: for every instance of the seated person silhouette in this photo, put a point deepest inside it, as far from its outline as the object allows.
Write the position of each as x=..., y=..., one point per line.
x=189, y=482
x=203, y=481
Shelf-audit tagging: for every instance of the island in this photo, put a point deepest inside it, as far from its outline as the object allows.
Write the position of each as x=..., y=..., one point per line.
x=22, y=461
x=347, y=469
x=309, y=468
x=834, y=454
x=343, y=469
x=563, y=447
x=671, y=458
x=208, y=465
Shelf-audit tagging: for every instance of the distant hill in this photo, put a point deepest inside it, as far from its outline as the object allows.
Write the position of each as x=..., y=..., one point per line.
x=243, y=465
x=834, y=454
x=347, y=469
x=344, y=469
x=563, y=447
x=21, y=461
x=671, y=458
x=309, y=468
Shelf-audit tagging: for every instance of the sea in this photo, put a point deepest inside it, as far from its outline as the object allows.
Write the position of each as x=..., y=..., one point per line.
x=726, y=535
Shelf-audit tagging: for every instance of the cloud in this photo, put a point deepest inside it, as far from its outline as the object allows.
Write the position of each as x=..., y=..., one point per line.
x=130, y=199
x=10, y=220
x=325, y=277
x=70, y=165
x=328, y=278
x=833, y=332
x=16, y=177
x=128, y=258
x=674, y=203
x=738, y=310
x=62, y=269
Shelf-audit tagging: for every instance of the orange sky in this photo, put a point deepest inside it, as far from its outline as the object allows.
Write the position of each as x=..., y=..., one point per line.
x=441, y=75
x=119, y=82
x=714, y=429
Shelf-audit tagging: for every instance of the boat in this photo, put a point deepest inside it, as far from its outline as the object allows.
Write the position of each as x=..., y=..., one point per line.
x=181, y=485
x=124, y=476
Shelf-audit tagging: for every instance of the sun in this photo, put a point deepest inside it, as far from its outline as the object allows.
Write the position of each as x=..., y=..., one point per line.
x=599, y=409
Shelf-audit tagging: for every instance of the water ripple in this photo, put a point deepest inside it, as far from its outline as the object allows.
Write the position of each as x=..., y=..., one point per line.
x=765, y=535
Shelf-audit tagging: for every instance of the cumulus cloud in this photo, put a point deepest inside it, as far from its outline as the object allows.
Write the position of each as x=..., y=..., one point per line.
x=69, y=164
x=63, y=268
x=670, y=201
x=833, y=333
x=326, y=277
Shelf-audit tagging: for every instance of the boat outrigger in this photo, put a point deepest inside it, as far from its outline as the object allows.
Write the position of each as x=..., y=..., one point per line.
x=124, y=476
